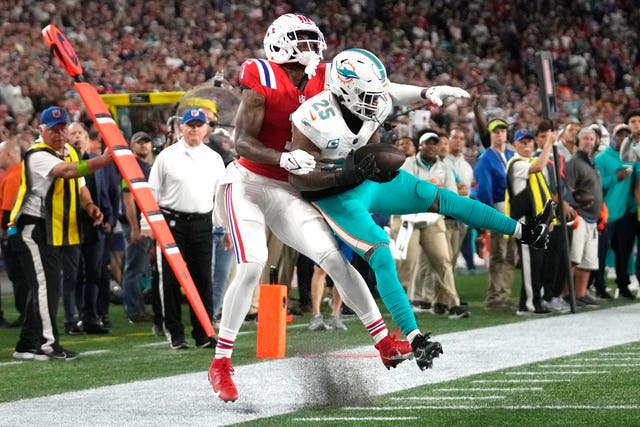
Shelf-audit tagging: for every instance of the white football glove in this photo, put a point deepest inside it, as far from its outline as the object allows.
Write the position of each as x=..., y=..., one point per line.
x=298, y=162
x=437, y=94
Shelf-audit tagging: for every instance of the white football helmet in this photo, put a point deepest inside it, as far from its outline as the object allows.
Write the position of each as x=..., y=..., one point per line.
x=359, y=80
x=287, y=34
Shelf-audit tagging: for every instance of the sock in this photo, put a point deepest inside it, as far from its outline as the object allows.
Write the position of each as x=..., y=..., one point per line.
x=226, y=341
x=377, y=329
x=411, y=335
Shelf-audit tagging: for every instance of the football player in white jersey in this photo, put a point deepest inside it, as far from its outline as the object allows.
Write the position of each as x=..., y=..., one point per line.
x=334, y=123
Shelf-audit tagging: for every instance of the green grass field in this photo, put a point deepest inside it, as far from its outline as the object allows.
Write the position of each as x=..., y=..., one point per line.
x=530, y=395
x=131, y=353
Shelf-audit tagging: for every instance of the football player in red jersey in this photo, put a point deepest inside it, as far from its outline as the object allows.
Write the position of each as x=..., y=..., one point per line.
x=258, y=195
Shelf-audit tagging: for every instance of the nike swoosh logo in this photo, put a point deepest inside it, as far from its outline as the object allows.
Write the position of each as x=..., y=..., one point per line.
x=294, y=164
x=313, y=118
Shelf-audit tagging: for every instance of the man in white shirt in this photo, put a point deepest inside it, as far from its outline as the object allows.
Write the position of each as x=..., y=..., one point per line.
x=457, y=230
x=184, y=178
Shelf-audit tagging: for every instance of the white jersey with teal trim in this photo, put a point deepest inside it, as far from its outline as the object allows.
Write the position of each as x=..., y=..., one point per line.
x=320, y=119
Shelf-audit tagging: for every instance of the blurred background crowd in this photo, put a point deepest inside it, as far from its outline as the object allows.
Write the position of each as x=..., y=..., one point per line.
x=487, y=46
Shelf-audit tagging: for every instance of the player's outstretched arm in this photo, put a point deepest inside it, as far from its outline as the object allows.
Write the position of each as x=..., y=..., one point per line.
x=402, y=94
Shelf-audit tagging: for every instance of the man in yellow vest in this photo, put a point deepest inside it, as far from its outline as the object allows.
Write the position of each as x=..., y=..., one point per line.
x=44, y=218
x=527, y=192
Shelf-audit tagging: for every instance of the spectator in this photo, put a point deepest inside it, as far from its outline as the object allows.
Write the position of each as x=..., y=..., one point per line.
x=567, y=142
x=457, y=230
x=490, y=173
x=407, y=146
x=92, y=247
x=137, y=249
x=619, y=185
x=583, y=178
x=184, y=179
x=433, y=241
x=10, y=161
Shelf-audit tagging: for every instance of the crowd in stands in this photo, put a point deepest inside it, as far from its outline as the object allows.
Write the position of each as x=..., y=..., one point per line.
x=488, y=48
x=145, y=46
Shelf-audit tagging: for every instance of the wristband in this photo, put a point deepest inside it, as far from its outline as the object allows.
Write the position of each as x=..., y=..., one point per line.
x=83, y=168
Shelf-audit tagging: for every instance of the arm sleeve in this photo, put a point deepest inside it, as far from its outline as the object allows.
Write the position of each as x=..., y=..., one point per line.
x=405, y=94
x=627, y=153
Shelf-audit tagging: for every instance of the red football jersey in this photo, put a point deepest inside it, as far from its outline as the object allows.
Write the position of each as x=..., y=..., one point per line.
x=282, y=99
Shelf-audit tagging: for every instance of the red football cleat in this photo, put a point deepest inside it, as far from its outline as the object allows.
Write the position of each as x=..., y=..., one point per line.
x=393, y=352
x=220, y=373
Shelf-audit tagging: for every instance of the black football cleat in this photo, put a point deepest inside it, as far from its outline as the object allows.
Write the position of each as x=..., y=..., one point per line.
x=424, y=351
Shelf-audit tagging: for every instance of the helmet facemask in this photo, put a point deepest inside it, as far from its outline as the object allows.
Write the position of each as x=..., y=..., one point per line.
x=295, y=38
x=360, y=84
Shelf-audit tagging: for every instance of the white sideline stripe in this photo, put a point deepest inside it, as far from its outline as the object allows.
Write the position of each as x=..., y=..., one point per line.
x=94, y=352
x=17, y=362
x=490, y=389
x=418, y=398
x=558, y=373
x=161, y=343
x=153, y=344
x=600, y=359
x=275, y=387
x=604, y=365
x=621, y=353
x=356, y=419
x=524, y=380
x=474, y=407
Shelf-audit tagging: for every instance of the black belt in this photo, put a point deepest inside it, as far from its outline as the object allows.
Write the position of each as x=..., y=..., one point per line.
x=185, y=216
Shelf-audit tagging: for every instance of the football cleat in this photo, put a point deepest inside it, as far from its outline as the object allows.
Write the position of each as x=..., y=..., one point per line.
x=393, y=352
x=220, y=373
x=425, y=351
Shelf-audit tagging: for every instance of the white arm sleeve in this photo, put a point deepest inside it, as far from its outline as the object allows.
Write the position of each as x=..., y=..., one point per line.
x=405, y=94
x=628, y=153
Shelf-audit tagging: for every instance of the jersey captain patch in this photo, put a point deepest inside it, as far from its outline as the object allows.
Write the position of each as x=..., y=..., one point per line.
x=332, y=144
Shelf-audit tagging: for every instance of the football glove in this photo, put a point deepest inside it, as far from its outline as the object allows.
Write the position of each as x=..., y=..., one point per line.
x=437, y=94
x=298, y=162
x=536, y=232
x=355, y=173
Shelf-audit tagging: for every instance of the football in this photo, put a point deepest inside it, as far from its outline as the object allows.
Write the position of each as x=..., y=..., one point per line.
x=388, y=157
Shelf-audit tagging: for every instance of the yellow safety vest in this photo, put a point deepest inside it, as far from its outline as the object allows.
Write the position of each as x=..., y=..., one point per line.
x=530, y=201
x=61, y=205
